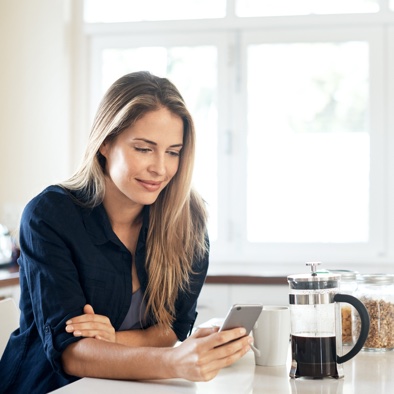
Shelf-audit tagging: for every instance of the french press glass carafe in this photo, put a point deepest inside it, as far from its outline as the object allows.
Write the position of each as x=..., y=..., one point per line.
x=316, y=332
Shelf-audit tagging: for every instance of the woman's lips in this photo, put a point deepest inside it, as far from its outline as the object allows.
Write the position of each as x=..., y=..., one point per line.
x=151, y=186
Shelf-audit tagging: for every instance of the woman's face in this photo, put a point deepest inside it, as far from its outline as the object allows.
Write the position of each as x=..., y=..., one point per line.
x=141, y=161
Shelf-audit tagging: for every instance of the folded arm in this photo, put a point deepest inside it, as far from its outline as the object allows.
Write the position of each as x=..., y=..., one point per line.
x=91, y=325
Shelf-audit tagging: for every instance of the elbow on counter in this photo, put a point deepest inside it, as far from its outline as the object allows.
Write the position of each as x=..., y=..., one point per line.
x=71, y=362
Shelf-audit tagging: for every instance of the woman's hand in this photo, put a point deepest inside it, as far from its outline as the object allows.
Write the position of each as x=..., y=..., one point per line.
x=206, y=352
x=91, y=325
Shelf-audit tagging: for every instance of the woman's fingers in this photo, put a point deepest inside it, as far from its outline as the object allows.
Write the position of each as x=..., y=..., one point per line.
x=225, y=355
x=89, y=317
x=88, y=309
x=202, y=355
x=224, y=350
x=92, y=330
x=91, y=325
x=220, y=338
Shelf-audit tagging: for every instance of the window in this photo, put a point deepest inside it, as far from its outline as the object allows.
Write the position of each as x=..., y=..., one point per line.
x=292, y=117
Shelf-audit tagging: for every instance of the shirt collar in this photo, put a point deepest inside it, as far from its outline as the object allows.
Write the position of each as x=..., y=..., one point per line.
x=99, y=227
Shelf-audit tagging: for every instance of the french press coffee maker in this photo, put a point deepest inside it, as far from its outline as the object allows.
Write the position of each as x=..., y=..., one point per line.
x=315, y=318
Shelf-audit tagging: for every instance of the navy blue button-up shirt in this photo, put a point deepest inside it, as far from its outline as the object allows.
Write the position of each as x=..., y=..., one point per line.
x=70, y=257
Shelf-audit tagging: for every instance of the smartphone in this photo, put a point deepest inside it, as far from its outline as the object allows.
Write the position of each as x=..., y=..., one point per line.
x=242, y=315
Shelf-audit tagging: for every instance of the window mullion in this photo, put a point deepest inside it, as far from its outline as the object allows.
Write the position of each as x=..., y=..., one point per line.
x=230, y=194
x=390, y=153
x=239, y=154
x=230, y=11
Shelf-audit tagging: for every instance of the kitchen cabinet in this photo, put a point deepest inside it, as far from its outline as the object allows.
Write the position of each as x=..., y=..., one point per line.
x=213, y=302
x=216, y=299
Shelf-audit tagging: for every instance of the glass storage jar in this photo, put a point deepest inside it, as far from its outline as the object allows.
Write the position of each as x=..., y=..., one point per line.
x=376, y=291
x=348, y=285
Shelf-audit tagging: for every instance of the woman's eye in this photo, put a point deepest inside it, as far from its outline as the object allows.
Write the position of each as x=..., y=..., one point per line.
x=143, y=150
x=174, y=153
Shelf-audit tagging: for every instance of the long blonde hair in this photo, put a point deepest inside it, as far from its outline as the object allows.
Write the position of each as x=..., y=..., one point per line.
x=177, y=224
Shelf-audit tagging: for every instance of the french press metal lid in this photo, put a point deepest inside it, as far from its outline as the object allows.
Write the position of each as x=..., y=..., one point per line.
x=317, y=287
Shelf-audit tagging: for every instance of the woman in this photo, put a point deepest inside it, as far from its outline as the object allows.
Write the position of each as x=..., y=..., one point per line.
x=113, y=260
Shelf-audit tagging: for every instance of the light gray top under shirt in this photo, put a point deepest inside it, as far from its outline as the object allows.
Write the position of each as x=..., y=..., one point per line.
x=135, y=316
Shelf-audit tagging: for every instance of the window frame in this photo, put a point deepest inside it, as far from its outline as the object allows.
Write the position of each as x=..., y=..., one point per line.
x=232, y=35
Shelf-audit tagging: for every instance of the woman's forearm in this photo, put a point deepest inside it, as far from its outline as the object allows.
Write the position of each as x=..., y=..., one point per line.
x=90, y=357
x=154, y=336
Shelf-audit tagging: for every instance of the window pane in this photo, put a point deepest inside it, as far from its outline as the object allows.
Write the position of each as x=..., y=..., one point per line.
x=151, y=10
x=197, y=82
x=303, y=7
x=308, y=142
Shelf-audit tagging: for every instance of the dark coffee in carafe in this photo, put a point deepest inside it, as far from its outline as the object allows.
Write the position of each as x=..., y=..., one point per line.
x=316, y=332
x=315, y=356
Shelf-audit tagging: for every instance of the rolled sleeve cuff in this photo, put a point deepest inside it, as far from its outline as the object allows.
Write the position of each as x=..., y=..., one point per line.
x=56, y=339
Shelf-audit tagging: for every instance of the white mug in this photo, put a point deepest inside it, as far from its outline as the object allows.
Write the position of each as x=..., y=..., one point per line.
x=271, y=335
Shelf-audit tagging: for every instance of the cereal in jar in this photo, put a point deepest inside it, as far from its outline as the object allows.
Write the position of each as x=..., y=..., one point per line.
x=376, y=291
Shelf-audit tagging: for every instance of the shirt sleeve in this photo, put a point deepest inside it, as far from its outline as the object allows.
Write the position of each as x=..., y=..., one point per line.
x=52, y=278
x=186, y=304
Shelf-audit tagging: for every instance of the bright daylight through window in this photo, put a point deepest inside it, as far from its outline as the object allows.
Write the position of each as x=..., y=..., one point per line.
x=307, y=110
x=290, y=101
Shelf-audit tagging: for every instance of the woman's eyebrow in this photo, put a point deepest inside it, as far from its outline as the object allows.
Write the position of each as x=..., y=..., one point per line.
x=155, y=143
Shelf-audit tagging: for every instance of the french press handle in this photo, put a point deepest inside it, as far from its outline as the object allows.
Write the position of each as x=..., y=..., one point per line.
x=365, y=322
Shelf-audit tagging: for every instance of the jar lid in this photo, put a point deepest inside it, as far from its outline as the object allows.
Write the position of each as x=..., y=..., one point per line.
x=316, y=280
x=378, y=279
x=346, y=275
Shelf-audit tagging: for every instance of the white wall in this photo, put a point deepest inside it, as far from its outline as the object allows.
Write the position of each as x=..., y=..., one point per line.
x=36, y=83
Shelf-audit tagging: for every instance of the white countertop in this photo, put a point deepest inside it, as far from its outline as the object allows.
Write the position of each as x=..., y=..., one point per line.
x=365, y=374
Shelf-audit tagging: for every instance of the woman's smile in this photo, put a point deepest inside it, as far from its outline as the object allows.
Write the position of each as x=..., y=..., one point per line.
x=151, y=186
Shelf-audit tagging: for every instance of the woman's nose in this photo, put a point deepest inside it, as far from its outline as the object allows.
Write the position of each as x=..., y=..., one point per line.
x=158, y=165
